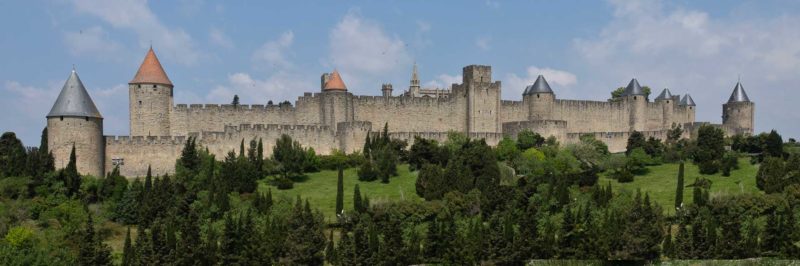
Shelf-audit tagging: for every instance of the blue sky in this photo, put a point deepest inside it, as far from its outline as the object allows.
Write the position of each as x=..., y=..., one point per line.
x=263, y=50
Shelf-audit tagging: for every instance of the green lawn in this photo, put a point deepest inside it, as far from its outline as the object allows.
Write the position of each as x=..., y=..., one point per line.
x=320, y=189
x=660, y=183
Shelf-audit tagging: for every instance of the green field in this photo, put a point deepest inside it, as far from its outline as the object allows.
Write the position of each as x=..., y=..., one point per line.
x=320, y=189
x=661, y=181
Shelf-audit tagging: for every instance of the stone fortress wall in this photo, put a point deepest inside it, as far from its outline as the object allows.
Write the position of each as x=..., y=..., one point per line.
x=335, y=119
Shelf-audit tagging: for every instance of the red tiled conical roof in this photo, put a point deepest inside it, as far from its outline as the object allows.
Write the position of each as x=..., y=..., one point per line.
x=335, y=82
x=151, y=72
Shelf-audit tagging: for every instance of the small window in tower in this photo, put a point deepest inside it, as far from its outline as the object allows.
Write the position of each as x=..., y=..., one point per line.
x=61, y=118
x=634, y=97
x=154, y=85
x=140, y=102
x=537, y=95
x=86, y=117
x=139, y=86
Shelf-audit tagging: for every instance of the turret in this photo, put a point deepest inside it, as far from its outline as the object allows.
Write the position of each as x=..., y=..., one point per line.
x=150, y=93
x=738, y=112
x=636, y=99
x=539, y=97
x=337, y=105
x=688, y=103
x=386, y=90
x=74, y=121
x=667, y=105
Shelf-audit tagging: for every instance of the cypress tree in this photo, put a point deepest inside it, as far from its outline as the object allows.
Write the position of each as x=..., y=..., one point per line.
x=679, y=188
x=72, y=180
x=241, y=149
x=357, y=204
x=330, y=250
x=367, y=146
x=92, y=251
x=340, y=192
x=128, y=253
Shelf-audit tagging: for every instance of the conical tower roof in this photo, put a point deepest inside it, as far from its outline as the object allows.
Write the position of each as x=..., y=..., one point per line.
x=633, y=88
x=738, y=94
x=687, y=100
x=74, y=100
x=151, y=72
x=334, y=83
x=665, y=95
x=539, y=86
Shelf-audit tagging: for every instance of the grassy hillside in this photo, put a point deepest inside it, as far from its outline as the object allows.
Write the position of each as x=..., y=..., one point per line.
x=662, y=180
x=320, y=189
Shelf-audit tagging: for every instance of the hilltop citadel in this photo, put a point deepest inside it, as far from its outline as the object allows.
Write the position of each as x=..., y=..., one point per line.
x=334, y=118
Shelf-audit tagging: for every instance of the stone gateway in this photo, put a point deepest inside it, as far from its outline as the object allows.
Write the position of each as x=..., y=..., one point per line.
x=335, y=119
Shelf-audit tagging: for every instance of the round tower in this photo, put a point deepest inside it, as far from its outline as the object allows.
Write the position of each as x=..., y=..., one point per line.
x=337, y=105
x=636, y=100
x=386, y=90
x=738, y=112
x=667, y=106
x=539, y=98
x=688, y=103
x=150, y=94
x=74, y=121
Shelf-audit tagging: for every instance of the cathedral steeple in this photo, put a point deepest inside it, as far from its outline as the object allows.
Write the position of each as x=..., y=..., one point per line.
x=414, y=87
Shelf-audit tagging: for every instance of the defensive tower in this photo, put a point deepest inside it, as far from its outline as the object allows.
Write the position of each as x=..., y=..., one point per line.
x=483, y=99
x=150, y=94
x=75, y=121
x=738, y=112
x=540, y=98
x=636, y=99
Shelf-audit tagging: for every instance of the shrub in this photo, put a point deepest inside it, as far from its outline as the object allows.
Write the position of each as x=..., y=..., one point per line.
x=284, y=183
x=367, y=171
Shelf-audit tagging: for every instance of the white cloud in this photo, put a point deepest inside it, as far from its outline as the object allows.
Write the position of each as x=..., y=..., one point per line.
x=135, y=15
x=277, y=87
x=362, y=51
x=274, y=52
x=514, y=85
x=93, y=41
x=443, y=81
x=483, y=43
x=219, y=38
x=692, y=51
x=30, y=104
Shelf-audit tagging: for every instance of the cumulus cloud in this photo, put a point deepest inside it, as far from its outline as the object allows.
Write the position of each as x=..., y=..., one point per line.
x=31, y=103
x=690, y=51
x=135, y=15
x=277, y=87
x=514, y=84
x=274, y=52
x=219, y=38
x=363, y=52
x=443, y=81
x=93, y=41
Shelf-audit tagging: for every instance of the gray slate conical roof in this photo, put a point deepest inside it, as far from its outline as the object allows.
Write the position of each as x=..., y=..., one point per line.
x=738, y=94
x=74, y=100
x=665, y=95
x=687, y=101
x=633, y=88
x=540, y=86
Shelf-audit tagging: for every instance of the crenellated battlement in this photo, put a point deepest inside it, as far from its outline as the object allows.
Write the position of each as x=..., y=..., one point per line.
x=145, y=140
x=233, y=108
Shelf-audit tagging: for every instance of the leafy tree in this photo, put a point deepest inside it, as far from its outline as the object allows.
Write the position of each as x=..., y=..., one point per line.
x=305, y=243
x=771, y=176
x=729, y=162
x=674, y=134
x=430, y=183
x=527, y=139
x=235, y=101
x=617, y=94
x=506, y=149
x=710, y=148
x=386, y=163
x=289, y=155
x=12, y=155
x=635, y=140
x=368, y=171
x=773, y=145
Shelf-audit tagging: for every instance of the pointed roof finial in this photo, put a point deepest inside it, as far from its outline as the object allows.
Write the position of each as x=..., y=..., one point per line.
x=633, y=88
x=151, y=72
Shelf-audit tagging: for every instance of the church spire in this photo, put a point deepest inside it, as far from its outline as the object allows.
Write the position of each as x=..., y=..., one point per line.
x=414, y=87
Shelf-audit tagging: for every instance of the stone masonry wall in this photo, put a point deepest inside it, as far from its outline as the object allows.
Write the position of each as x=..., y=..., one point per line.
x=149, y=107
x=87, y=136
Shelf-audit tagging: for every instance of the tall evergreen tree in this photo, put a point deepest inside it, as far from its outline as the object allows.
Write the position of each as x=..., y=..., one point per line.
x=72, y=180
x=357, y=202
x=128, y=252
x=92, y=251
x=679, y=188
x=340, y=191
